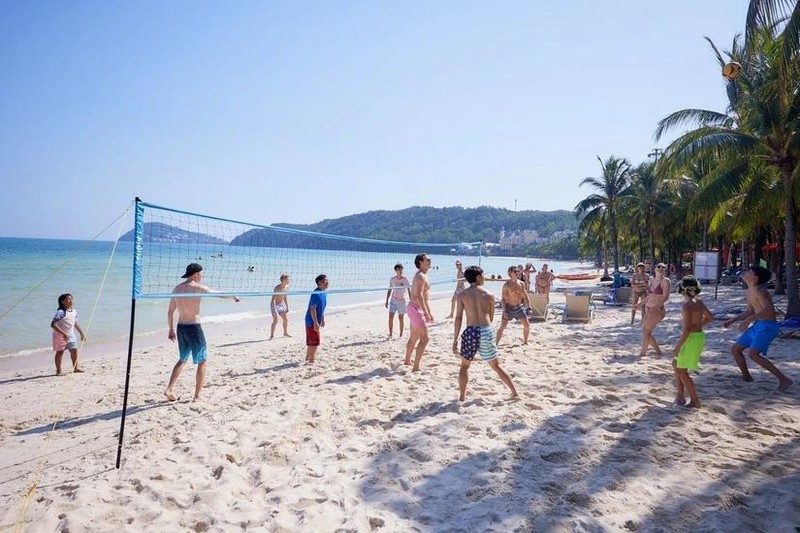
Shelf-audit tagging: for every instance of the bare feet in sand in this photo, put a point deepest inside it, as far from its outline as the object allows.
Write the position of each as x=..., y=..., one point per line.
x=171, y=396
x=78, y=370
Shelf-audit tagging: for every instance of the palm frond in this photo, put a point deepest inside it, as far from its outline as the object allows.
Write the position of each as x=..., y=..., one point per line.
x=691, y=117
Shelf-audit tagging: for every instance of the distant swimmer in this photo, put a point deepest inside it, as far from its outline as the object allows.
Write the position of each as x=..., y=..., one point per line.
x=190, y=336
x=477, y=339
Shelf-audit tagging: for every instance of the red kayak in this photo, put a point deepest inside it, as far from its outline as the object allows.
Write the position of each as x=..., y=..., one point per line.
x=585, y=276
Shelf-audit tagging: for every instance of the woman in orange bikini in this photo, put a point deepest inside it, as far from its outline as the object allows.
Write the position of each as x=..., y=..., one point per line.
x=657, y=295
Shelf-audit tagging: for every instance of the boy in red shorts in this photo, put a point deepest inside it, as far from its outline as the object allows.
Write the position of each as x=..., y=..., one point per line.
x=315, y=317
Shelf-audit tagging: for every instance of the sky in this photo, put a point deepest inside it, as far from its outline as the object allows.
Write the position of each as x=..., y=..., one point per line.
x=267, y=111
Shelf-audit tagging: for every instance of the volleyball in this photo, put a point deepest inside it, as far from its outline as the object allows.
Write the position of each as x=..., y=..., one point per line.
x=731, y=70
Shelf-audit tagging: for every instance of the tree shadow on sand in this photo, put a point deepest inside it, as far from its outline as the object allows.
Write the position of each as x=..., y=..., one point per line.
x=257, y=371
x=555, y=479
x=22, y=379
x=70, y=423
x=363, y=377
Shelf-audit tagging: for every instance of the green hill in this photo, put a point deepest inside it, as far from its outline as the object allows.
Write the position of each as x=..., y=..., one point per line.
x=448, y=224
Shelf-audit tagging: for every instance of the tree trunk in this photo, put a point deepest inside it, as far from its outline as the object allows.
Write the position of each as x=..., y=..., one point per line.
x=705, y=234
x=792, y=300
x=614, y=240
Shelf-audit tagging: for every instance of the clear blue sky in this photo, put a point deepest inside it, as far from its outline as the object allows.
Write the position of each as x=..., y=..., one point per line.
x=299, y=111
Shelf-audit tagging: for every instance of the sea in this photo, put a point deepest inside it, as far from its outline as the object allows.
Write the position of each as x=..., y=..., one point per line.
x=99, y=275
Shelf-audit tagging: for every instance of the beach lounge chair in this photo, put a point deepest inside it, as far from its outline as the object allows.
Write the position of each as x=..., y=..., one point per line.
x=540, y=307
x=618, y=296
x=578, y=308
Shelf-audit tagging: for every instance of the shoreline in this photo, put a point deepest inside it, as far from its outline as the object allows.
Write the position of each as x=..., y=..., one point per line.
x=143, y=343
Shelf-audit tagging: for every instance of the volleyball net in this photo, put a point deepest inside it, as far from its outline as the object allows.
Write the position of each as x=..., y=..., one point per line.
x=248, y=259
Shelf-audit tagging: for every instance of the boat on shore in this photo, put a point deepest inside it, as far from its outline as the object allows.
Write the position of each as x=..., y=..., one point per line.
x=583, y=276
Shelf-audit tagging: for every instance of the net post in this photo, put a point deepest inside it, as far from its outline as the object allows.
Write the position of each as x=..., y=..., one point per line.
x=135, y=291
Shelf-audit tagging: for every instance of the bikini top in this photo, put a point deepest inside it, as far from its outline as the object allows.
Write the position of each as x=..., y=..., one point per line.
x=657, y=290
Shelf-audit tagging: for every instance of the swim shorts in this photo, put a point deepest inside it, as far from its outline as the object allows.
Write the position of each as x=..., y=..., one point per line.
x=397, y=307
x=478, y=339
x=281, y=308
x=516, y=311
x=191, y=340
x=415, y=316
x=60, y=343
x=689, y=356
x=312, y=336
x=759, y=335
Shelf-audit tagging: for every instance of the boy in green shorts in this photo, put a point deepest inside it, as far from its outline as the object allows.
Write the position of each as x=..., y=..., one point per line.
x=687, y=352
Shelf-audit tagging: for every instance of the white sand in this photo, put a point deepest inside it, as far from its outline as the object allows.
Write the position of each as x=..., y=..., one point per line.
x=359, y=443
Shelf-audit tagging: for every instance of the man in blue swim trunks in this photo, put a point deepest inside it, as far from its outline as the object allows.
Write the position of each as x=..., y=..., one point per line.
x=477, y=338
x=190, y=337
x=759, y=326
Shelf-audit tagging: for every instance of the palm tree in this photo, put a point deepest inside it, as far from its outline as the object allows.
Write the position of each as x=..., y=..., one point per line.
x=763, y=128
x=648, y=198
x=612, y=187
x=772, y=14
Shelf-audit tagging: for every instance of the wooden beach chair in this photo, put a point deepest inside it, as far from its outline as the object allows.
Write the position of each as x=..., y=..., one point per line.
x=578, y=308
x=540, y=307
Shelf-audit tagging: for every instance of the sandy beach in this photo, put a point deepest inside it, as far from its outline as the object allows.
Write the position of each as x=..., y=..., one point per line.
x=357, y=442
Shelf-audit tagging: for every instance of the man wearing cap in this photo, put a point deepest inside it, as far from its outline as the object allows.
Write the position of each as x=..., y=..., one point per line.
x=191, y=339
x=639, y=282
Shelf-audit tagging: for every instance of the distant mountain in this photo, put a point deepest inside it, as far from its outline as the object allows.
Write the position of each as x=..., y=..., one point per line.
x=443, y=224
x=159, y=232
x=422, y=224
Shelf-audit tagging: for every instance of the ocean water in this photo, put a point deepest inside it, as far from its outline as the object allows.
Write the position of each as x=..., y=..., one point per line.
x=34, y=272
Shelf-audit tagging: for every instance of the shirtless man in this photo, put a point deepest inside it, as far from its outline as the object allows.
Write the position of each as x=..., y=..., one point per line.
x=279, y=307
x=527, y=277
x=515, y=303
x=478, y=304
x=191, y=339
x=763, y=328
x=544, y=280
x=419, y=311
